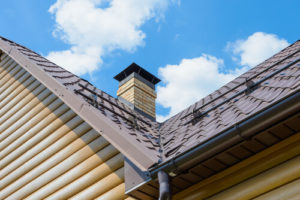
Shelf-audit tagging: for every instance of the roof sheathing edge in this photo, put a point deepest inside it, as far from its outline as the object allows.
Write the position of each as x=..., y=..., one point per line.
x=109, y=131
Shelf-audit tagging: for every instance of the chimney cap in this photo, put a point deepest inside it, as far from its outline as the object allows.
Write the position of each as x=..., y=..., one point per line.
x=139, y=70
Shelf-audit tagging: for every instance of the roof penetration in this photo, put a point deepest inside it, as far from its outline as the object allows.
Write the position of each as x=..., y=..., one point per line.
x=139, y=70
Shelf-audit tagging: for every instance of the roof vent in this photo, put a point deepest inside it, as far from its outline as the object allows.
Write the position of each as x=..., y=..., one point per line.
x=137, y=89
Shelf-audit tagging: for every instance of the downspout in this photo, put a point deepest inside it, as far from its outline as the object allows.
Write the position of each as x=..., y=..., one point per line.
x=164, y=186
x=163, y=178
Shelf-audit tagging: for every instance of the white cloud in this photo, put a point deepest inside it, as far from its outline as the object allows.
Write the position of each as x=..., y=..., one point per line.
x=76, y=61
x=190, y=81
x=195, y=78
x=257, y=48
x=94, y=28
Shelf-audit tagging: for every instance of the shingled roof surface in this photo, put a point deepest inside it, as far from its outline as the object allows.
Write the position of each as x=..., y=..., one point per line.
x=210, y=116
x=138, y=127
x=233, y=103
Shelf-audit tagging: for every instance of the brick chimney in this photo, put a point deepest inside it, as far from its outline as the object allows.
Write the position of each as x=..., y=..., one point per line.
x=137, y=89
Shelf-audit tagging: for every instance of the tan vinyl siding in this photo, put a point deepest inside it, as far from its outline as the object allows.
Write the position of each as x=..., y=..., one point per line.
x=273, y=171
x=288, y=191
x=264, y=182
x=113, y=193
x=47, y=150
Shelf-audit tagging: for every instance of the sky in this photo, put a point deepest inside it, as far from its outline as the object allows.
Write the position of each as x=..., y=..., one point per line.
x=193, y=46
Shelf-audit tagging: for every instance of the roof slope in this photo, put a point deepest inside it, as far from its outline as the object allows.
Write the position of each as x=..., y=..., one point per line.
x=233, y=103
x=136, y=129
x=147, y=143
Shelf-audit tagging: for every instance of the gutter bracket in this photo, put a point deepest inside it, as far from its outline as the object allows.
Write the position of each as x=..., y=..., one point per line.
x=175, y=169
x=239, y=132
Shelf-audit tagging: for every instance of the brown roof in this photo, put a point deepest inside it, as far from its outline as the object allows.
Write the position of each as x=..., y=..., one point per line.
x=232, y=103
x=133, y=134
x=147, y=143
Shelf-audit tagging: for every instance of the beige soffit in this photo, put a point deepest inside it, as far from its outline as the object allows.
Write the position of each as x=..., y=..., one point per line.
x=134, y=151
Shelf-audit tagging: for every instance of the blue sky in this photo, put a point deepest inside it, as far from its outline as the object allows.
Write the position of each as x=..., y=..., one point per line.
x=193, y=46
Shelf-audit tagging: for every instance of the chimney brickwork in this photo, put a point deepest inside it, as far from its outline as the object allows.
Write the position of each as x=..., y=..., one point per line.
x=140, y=95
x=137, y=89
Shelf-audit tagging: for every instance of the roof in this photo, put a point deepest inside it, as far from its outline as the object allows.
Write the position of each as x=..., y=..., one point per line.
x=147, y=143
x=131, y=133
x=233, y=103
x=139, y=70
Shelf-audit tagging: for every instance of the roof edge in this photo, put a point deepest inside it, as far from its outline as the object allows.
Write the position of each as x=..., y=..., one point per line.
x=241, y=131
x=88, y=113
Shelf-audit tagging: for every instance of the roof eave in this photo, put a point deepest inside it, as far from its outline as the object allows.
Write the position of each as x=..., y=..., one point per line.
x=242, y=131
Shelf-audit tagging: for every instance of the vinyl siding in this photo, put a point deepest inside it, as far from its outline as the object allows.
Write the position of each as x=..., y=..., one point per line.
x=46, y=150
x=275, y=178
x=271, y=174
x=286, y=191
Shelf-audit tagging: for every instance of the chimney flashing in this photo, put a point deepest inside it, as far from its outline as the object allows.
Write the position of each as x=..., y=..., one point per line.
x=130, y=105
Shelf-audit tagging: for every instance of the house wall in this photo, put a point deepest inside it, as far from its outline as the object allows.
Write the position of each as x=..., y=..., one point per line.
x=271, y=174
x=48, y=151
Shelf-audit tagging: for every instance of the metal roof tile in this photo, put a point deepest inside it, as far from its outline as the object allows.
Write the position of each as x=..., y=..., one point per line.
x=245, y=105
x=143, y=132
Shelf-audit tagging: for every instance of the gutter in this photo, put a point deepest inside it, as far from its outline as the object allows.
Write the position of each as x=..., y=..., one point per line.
x=242, y=131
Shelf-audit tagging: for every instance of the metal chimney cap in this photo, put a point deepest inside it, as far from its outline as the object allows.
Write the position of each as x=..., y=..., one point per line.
x=140, y=71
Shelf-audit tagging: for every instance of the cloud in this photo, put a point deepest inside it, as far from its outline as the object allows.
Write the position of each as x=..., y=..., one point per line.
x=191, y=80
x=77, y=61
x=256, y=48
x=94, y=28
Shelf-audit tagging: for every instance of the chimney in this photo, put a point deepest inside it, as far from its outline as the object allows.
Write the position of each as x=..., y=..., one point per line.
x=137, y=89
